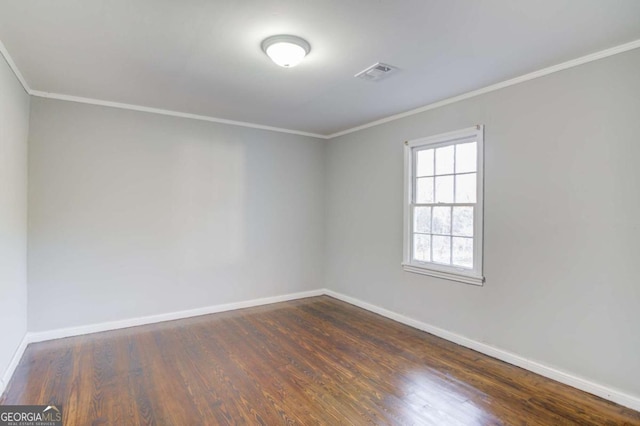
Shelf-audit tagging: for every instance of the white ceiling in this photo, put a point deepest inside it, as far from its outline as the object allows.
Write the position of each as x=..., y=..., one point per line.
x=203, y=56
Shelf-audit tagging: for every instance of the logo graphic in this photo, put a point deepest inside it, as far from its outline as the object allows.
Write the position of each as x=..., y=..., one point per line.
x=30, y=415
x=52, y=407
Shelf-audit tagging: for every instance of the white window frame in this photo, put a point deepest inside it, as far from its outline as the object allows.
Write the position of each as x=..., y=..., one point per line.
x=450, y=272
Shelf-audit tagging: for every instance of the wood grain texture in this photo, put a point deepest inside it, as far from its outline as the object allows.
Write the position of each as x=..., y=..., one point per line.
x=316, y=361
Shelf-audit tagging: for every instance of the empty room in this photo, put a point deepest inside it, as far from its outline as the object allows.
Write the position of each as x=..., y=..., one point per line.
x=261, y=212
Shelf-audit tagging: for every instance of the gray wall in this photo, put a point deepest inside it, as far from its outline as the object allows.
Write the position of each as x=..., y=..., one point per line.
x=14, y=128
x=562, y=221
x=133, y=214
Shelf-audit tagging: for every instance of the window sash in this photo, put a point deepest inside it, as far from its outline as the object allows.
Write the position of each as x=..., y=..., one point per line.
x=450, y=235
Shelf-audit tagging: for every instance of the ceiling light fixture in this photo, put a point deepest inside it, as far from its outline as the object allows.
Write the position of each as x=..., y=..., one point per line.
x=286, y=50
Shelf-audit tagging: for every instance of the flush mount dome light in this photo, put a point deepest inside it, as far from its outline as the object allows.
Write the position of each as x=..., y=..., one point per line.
x=286, y=50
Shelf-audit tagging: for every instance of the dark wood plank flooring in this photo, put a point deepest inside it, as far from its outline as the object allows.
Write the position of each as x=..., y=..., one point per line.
x=310, y=361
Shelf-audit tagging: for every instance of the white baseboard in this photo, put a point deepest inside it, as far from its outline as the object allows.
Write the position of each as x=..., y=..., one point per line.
x=17, y=356
x=40, y=336
x=602, y=391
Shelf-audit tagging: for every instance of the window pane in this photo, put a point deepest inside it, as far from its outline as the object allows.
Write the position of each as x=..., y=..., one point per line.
x=441, y=220
x=422, y=220
x=424, y=190
x=466, y=188
x=462, y=252
x=462, y=223
x=444, y=189
x=441, y=249
x=422, y=247
x=466, y=157
x=424, y=162
x=444, y=160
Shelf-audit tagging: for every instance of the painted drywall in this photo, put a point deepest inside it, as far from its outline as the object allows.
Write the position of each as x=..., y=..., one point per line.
x=134, y=214
x=14, y=129
x=561, y=221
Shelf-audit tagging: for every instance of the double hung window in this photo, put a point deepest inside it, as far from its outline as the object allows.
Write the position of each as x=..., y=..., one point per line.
x=443, y=206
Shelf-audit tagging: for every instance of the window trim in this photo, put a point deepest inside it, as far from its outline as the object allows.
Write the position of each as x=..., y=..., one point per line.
x=469, y=276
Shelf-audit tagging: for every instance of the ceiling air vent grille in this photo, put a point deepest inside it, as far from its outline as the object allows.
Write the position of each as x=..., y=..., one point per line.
x=376, y=72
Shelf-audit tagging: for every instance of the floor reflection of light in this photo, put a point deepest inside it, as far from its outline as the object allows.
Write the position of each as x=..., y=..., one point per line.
x=432, y=398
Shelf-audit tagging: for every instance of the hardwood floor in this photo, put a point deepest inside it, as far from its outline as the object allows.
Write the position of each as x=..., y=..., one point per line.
x=310, y=361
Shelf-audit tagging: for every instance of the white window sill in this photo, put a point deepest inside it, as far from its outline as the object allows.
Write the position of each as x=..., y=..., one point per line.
x=460, y=277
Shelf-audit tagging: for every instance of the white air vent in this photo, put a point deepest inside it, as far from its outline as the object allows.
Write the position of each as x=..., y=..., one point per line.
x=376, y=72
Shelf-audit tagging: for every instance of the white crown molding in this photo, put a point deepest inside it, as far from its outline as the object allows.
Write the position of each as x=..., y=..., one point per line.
x=14, y=67
x=521, y=79
x=526, y=77
x=160, y=111
x=583, y=384
x=132, y=107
